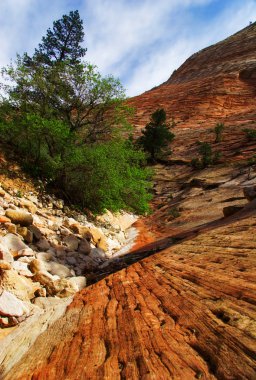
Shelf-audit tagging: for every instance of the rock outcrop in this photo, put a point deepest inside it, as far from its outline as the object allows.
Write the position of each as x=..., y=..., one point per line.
x=217, y=84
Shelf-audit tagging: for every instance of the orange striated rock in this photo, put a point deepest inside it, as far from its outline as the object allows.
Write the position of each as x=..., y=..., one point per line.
x=217, y=84
x=185, y=313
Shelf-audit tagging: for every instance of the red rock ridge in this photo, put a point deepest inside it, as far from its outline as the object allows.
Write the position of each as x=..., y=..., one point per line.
x=217, y=84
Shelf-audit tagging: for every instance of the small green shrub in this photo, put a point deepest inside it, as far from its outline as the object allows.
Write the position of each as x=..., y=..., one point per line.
x=250, y=134
x=218, y=132
x=207, y=156
x=174, y=212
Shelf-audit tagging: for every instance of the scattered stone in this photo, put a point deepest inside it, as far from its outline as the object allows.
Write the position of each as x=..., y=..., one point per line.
x=30, y=206
x=84, y=247
x=44, y=256
x=13, y=243
x=71, y=242
x=41, y=292
x=11, y=228
x=5, y=265
x=36, y=232
x=22, y=268
x=43, y=244
x=25, y=233
x=21, y=286
x=36, y=266
x=97, y=253
x=2, y=192
x=19, y=217
x=5, y=254
x=10, y=305
x=79, y=281
x=58, y=269
x=26, y=252
x=4, y=219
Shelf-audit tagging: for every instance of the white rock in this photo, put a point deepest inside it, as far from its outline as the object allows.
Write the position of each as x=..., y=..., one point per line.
x=97, y=253
x=26, y=252
x=10, y=305
x=44, y=256
x=58, y=269
x=22, y=268
x=5, y=254
x=13, y=243
x=79, y=282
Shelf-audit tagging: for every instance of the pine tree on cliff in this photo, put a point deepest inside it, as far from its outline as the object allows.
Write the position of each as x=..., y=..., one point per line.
x=62, y=43
x=156, y=135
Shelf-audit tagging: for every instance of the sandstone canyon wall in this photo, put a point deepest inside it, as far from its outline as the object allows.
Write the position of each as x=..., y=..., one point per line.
x=187, y=310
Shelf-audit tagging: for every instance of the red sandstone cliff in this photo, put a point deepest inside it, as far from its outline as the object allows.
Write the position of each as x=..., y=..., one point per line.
x=216, y=84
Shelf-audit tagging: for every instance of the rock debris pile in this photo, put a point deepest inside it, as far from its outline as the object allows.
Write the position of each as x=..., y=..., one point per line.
x=49, y=250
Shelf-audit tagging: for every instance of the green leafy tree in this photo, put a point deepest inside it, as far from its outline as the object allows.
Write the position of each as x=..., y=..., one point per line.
x=66, y=122
x=156, y=136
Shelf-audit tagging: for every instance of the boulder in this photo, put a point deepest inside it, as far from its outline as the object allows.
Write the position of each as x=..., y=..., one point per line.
x=79, y=281
x=71, y=242
x=5, y=265
x=5, y=254
x=30, y=206
x=22, y=287
x=4, y=219
x=91, y=233
x=61, y=287
x=36, y=266
x=36, y=232
x=25, y=233
x=250, y=193
x=97, y=253
x=43, y=244
x=44, y=256
x=22, y=268
x=84, y=247
x=11, y=228
x=10, y=305
x=12, y=243
x=20, y=216
x=26, y=252
x=57, y=269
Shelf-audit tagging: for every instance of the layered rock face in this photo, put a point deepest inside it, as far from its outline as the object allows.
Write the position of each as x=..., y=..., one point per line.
x=217, y=84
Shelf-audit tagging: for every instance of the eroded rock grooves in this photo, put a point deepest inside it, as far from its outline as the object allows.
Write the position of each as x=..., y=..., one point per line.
x=178, y=314
x=216, y=84
x=188, y=311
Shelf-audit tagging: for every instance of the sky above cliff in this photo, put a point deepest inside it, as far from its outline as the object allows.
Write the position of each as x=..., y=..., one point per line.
x=139, y=41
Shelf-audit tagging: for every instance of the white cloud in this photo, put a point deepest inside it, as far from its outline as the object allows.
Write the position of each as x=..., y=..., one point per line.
x=141, y=42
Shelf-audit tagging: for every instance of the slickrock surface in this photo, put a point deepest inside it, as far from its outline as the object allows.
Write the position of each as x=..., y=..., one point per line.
x=217, y=84
x=185, y=313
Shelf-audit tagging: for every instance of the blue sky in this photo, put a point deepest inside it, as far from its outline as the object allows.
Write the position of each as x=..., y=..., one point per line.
x=139, y=41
